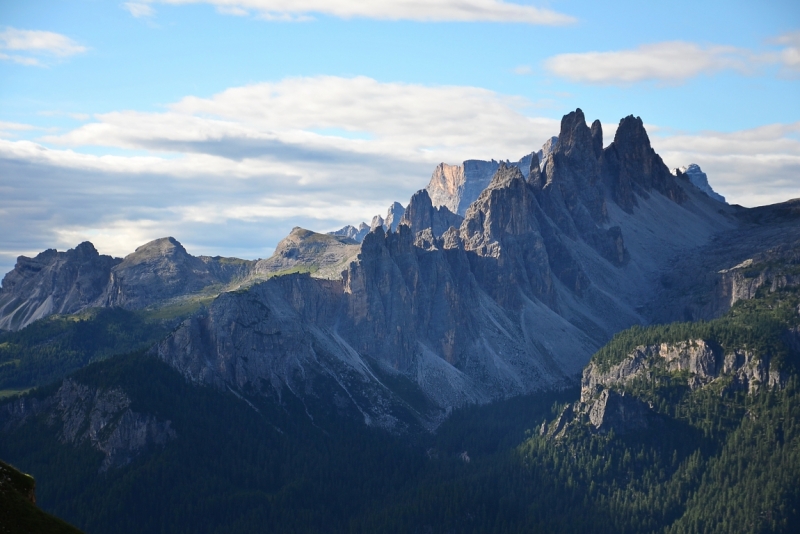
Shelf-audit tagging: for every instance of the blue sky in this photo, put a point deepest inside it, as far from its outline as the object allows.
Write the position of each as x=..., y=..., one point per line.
x=227, y=122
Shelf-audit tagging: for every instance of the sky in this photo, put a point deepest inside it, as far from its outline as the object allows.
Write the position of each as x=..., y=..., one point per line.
x=225, y=123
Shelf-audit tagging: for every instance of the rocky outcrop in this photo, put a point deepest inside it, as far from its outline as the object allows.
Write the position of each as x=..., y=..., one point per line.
x=631, y=168
x=617, y=412
x=456, y=187
x=393, y=216
x=421, y=215
x=702, y=363
x=322, y=255
x=100, y=417
x=699, y=179
x=772, y=270
x=53, y=282
x=71, y=281
x=605, y=406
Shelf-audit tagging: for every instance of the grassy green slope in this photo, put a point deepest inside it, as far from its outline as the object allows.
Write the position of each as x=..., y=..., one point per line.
x=51, y=348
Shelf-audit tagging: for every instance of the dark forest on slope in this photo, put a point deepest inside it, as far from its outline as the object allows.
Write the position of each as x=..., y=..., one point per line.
x=720, y=459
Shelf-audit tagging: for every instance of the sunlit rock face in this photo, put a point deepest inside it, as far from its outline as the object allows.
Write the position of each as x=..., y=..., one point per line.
x=699, y=179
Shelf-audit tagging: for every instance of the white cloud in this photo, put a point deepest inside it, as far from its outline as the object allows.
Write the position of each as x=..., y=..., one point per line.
x=21, y=60
x=673, y=61
x=417, y=10
x=39, y=41
x=6, y=127
x=789, y=56
x=283, y=119
x=139, y=9
x=25, y=45
x=523, y=70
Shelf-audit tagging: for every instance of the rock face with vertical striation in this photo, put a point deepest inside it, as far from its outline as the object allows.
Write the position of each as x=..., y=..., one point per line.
x=101, y=418
x=71, y=281
x=457, y=186
x=421, y=214
x=631, y=168
x=53, y=282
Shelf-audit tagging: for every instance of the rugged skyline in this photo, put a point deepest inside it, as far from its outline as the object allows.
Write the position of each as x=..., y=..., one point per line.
x=225, y=124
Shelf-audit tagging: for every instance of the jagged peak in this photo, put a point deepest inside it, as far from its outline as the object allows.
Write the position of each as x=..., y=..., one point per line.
x=574, y=133
x=505, y=175
x=631, y=131
x=375, y=238
x=164, y=244
x=597, y=138
x=87, y=248
x=420, y=198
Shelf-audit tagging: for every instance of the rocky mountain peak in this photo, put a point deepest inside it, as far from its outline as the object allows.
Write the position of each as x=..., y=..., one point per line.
x=597, y=138
x=53, y=282
x=164, y=247
x=575, y=136
x=393, y=216
x=421, y=214
x=699, y=179
x=303, y=250
x=631, y=166
x=458, y=186
x=377, y=221
x=505, y=175
x=86, y=249
x=570, y=187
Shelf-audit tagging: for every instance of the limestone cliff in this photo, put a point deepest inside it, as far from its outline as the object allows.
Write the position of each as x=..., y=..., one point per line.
x=455, y=187
x=80, y=278
x=101, y=418
x=323, y=255
x=53, y=282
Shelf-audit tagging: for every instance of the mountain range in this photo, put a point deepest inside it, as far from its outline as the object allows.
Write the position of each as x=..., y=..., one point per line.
x=498, y=281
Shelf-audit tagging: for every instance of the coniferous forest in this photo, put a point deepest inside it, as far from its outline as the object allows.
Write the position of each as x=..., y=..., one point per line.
x=718, y=459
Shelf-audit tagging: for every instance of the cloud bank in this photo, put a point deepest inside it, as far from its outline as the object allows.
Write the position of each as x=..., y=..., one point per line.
x=231, y=174
x=416, y=10
x=27, y=47
x=672, y=62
